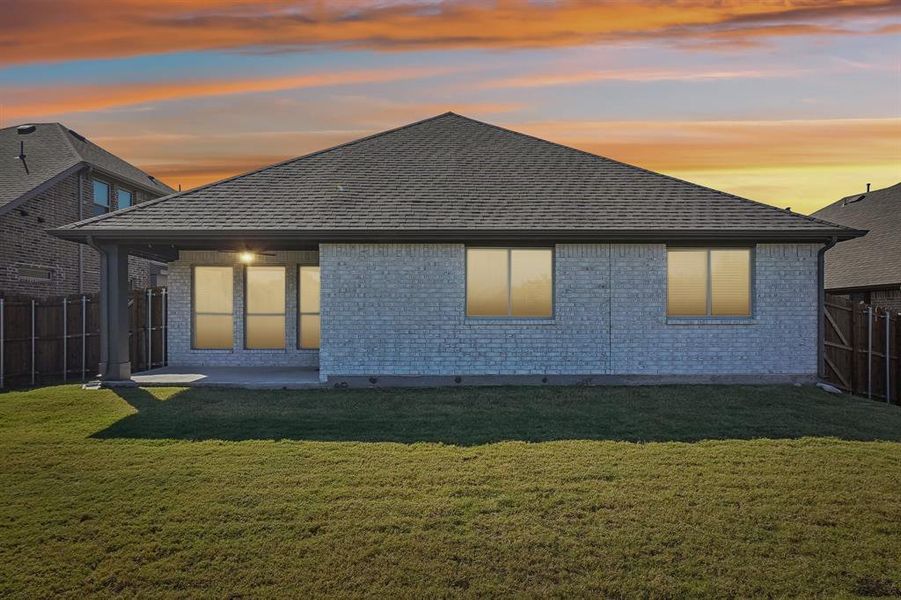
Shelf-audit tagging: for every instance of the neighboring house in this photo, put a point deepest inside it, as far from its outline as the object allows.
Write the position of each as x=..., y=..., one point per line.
x=49, y=176
x=867, y=269
x=453, y=248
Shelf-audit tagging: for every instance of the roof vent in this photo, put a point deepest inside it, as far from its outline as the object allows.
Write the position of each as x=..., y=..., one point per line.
x=25, y=129
x=78, y=136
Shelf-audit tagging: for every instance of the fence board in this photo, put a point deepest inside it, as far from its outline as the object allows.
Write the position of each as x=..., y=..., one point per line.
x=64, y=344
x=855, y=353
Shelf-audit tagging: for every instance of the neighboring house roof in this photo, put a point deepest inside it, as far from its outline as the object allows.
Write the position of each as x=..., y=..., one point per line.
x=52, y=152
x=451, y=176
x=875, y=259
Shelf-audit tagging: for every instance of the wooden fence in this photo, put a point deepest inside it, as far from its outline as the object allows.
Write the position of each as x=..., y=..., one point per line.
x=863, y=349
x=53, y=340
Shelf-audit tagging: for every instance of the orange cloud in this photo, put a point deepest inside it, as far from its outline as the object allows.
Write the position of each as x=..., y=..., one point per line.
x=637, y=75
x=72, y=29
x=687, y=145
x=43, y=100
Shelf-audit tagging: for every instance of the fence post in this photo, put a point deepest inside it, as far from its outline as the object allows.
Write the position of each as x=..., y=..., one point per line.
x=32, y=342
x=869, y=351
x=2, y=341
x=84, y=325
x=164, y=300
x=65, y=340
x=888, y=356
x=149, y=329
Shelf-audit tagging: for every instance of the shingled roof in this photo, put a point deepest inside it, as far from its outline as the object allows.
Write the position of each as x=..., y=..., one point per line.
x=452, y=176
x=52, y=152
x=875, y=259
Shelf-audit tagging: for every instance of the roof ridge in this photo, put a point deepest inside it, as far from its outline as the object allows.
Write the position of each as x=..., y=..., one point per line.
x=64, y=131
x=257, y=170
x=644, y=170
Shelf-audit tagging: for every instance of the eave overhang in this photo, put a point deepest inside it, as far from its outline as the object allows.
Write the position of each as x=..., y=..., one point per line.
x=166, y=241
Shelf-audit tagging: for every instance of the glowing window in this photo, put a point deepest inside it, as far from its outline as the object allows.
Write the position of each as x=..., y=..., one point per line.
x=509, y=282
x=213, y=313
x=264, y=321
x=308, y=303
x=704, y=282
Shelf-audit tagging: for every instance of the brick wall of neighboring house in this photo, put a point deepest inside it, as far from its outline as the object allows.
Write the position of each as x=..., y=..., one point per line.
x=35, y=263
x=890, y=299
x=399, y=309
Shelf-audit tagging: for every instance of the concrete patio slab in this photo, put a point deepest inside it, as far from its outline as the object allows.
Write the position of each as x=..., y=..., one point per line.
x=238, y=377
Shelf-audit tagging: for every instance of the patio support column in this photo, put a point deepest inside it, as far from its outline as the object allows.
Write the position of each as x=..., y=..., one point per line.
x=114, y=360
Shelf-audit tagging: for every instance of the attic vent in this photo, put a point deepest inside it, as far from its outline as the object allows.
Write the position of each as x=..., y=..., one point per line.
x=78, y=136
x=853, y=200
x=25, y=129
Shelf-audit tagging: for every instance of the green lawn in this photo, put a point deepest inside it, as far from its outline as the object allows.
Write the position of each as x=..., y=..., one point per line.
x=595, y=492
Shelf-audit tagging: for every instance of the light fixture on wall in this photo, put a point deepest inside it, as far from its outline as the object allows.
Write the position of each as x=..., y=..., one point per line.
x=246, y=257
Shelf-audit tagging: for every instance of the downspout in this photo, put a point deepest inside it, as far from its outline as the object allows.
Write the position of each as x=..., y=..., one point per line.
x=80, y=218
x=821, y=306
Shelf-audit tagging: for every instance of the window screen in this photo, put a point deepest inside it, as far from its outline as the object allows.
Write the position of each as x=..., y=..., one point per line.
x=708, y=282
x=509, y=282
x=264, y=323
x=308, y=304
x=213, y=313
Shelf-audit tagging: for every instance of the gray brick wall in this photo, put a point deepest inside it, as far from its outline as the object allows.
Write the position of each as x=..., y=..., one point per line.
x=179, y=311
x=24, y=243
x=399, y=309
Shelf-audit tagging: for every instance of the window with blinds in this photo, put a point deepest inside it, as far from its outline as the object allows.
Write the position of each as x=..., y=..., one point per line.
x=213, y=316
x=708, y=282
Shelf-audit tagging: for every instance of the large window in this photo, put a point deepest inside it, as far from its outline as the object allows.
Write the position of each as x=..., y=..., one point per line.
x=101, y=197
x=308, y=304
x=124, y=198
x=708, y=282
x=509, y=282
x=264, y=323
x=213, y=314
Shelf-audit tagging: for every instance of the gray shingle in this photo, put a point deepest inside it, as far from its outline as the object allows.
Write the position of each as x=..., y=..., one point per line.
x=875, y=259
x=453, y=173
x=52, y=149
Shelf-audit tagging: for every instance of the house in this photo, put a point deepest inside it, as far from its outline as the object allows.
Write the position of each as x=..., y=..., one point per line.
x=459, y=250
x=867, y=269
x=50, y=176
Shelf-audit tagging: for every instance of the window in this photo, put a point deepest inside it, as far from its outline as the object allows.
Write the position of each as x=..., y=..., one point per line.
x=213, y=313
x=308, y=303
x=509, y=282
x=708, y=282
x=101, y=197
x=264, y=322
x=123, y=198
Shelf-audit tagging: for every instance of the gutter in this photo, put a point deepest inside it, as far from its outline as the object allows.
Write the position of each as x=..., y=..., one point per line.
x=821, y=306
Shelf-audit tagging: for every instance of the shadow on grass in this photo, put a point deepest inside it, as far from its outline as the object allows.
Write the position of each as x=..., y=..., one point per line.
x=469, y=416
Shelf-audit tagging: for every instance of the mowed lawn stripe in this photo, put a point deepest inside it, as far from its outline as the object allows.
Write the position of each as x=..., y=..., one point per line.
x=469, y=492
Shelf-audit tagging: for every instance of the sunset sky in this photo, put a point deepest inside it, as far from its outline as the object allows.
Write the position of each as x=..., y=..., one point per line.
x=791, y=102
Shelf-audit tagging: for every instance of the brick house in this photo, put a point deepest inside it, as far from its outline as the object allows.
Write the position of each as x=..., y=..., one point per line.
x=49, y=176
x=455, y=250
x=867, y=269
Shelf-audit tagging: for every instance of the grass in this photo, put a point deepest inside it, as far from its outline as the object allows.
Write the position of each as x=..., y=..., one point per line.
x=598, y=492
